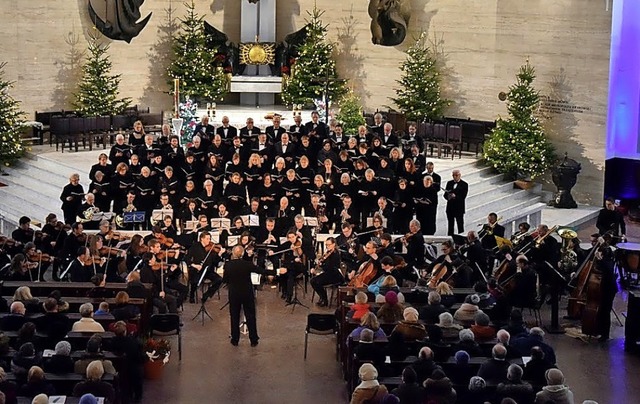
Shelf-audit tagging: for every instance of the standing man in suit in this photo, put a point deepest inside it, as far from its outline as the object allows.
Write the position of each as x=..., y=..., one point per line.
x=314, y=125
x=237, y=276
x=275, y=131
x=226, y=131
x=455, y=193
x=285, y=149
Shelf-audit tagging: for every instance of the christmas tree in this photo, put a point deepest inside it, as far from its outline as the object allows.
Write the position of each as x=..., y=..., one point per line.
x=11, y=119
x=98, y=89
x=350, y=115
x=419, y=95
x=517, y=145
x=313, y=67
x=200, y=72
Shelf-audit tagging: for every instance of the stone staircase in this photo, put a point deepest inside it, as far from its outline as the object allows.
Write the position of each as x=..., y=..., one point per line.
x=34, y=185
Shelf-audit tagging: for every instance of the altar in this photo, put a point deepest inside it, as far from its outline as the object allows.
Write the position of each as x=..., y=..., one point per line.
x=256, y=84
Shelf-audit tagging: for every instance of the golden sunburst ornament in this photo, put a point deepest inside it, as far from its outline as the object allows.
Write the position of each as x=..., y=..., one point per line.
x=255, y=53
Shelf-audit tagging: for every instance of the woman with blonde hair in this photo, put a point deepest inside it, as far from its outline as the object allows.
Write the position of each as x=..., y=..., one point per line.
x=254, y=174
x=23, y=294
x=136, y=138
x=368, y=321
x=123, y=309
x=447, y=298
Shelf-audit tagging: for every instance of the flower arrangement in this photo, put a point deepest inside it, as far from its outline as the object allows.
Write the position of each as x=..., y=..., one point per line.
x=157, y=349
x=188, y=112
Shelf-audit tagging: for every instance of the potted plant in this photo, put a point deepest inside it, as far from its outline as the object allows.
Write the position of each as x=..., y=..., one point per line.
x=158, y=352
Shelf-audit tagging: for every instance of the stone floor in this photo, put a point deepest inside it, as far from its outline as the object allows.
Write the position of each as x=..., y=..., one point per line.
x=214, y=371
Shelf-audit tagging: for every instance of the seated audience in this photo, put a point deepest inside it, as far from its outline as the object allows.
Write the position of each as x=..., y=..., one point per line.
x=468, y=343
x=409, y=391
x=447, y=298
x=31, y=304
x=94, y=384
x=504, y=339
x=425, y=364
x=516, y=325
x=462, y=372
x=40, y=399
x=369, y=390
x=449, y=329
x=486, y=298
x=370, y=321
x=53, y=324
x=26, y=333
x=23, y=360
x=60, y=362
x=16, y=317
x=431, y=312
x=391, y=311
x=36, y=384
x=524, y=343
x=103, y=309
x=536, y=369
x=388, y=284
x=123, y=309
x=360, y=307
x=468, y=310
x=86, y=322
x=477, y=391
x=481, y=328
x=514, y=387
x=7, y=387
x=555, y=391
x=494, y=370
x=88, y=399
x=439, y=388
x=92, y=353
x=134, y=356
x=368, y=351
x=409, y=327
x=62, y=305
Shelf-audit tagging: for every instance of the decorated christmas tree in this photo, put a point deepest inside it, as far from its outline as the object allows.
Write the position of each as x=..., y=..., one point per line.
x=11, y=119
x=350, y=115
x=98, y=89
x=200, y=73
x=418, y=96
x=313, y=68
x=518, y=146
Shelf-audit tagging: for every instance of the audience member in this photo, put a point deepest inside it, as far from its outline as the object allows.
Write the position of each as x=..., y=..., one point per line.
x=131, y=348
x=88, y=399
x=447, y=298
x=62, y=305
x=555, y=391
x=92, y=353
x=40, y=399
x=467, y=343
x=477, y=391
x=23, y=360
x=486, y=298
x=60, y=362
x=86, y=322
x=9, y=388
x=31, y=304
x=504, y=339
x=431, y=312
x=26, y=333
x=16, y=317
x=524, y=343
x=123, y=309
x=94, y=384
x=370, y=321
x=536, y=369
x=409, y=391
x=462, y=371
x=439, y=388
x=360, y=307
x=514, y=387
x=424, y=365
x=494, y=370
x=36, y=384
x=103, y=309
x=53, y=324
x=450, y=330
x=516, y=325
x=391, y=311
x=369, y=390
x=468, y=310
x=481, y=328
x=368, y=351
x=409, y=327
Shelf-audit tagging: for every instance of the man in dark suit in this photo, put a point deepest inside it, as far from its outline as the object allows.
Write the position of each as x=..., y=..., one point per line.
x=298, y=129
x=320, y=128
x=490, y=230
x=249, y=132
x=264, y=148
x=455, y=193
x=226, y=131
x=389, y=139
x=412, y=138
x=437, y=180
x=78, y=272
x=285, y=149
x=275, y=131
x=237, y=276
x=205, y=130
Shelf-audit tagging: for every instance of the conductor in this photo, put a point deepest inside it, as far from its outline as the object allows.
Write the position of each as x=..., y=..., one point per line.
x=237, y=276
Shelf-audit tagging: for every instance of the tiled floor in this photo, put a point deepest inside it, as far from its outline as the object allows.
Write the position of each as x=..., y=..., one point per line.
x=213, y=371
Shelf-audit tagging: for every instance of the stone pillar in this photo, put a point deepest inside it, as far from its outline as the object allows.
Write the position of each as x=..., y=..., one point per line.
x=257, y=20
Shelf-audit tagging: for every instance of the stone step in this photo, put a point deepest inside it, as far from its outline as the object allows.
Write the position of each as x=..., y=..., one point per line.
x=35, y=179
x=19, y=202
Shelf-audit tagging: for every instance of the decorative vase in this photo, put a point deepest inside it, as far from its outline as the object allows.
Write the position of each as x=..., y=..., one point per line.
x=153, y=370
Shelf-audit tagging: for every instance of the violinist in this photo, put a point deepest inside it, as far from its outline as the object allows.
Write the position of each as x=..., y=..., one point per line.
x=349, y=246
x=304, y=234
x=24, y=233
x=171, y=282
x=476, y=255
x=37, y=257
x=73, y=241
x=385, y=248
x=135, y=251
x=79, y=271
x=201, y=257
x=55, y=232
x=327, y=271
x=385, y=211
x=248, y=244
x=20, y=268
x=168, y=229
x=414, y=242
x=293, y=260
x=108, y=236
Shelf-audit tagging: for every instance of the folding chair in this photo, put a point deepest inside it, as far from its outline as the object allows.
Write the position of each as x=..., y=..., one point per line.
x=167, y=324
x=319, y=324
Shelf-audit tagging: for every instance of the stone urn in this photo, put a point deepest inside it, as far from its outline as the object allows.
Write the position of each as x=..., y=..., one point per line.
x=565, y=177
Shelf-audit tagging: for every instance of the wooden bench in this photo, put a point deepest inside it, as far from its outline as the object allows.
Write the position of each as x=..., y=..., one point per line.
x=78, y=289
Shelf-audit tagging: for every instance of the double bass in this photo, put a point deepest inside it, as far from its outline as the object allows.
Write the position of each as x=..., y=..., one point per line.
x=578, y=296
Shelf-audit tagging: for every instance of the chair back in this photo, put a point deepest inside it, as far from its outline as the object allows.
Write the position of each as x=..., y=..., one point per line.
x=90, y=124
x=76, y=125
x=59, y=126
x=103, y=123
x=321, y=323
x=454, y=134
x=165, y=322
x=439, y=132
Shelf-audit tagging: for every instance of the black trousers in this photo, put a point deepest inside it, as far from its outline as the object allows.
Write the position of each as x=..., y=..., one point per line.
x=326, y=278
x=287, y=281
x=247, y=304
x=455, y=218
x=603, y=319
x=211, y=275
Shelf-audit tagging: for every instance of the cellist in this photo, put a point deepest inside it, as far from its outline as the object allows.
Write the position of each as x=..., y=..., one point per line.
x=442, y=268
x=369, y=269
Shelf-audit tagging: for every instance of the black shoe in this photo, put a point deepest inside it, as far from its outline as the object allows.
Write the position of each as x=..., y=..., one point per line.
x=204, y=299
x=234, y=343
x=254, y=343
x=323, y=303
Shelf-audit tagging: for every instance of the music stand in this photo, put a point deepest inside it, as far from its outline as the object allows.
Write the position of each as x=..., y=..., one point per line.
x=134, y=218
x=221, y=224
x=157, y=215
x=203, y=310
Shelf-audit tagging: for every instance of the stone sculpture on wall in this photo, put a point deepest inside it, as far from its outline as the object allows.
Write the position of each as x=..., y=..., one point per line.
x=226, y=51
x=389, y=21
x=118, y=19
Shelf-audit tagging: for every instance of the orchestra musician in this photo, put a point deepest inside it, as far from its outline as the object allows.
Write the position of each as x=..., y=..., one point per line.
x=414, y=242
x=349, y=246
x=327, y=271
x=79, y=270
x=20, y=268
x=318, y=210
x=87, y=211
x=522, y=292
x=490, y=230
x=610, y=220
x=171, y=282
x=71, y=198
x=449, y=267
x=475, y=253
x=370, y=258
x=76, y=239
x=605, y=266
x=201, y=256
x=293, y=259
x=348, y=213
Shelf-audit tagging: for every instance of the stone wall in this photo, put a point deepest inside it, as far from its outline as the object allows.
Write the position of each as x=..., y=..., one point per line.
x=483, y=41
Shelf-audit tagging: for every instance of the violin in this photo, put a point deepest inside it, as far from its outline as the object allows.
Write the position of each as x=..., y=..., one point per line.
x=35, y=256
x=164, y=240
x=110, y=251
x=94, y=261
x=8, y=242
x=61, y=226
x=163, y=254
x=216, y=248
x=160, y=266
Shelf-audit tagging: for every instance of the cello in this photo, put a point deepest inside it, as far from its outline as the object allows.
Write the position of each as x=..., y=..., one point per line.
x=365, y=274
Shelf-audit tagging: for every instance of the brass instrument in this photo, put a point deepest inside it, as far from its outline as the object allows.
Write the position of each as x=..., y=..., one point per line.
x=569, y=258
x=518, y=238
x=120, y=218
x=487, y=229
x=540, y=239
x=320, y=212
x=87, y=215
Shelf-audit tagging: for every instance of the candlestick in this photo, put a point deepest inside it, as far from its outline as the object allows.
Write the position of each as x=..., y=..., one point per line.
x=176, y=97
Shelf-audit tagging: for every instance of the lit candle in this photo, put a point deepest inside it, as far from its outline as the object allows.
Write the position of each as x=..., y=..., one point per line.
x=176, y=97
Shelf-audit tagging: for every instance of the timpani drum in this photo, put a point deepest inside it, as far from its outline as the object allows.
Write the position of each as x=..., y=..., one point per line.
x=628, y=260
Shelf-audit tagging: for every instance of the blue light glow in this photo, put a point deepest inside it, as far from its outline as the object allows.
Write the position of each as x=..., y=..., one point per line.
x=623, y=120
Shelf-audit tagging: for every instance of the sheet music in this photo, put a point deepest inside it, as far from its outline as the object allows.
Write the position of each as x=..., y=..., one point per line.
x=221, y=223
